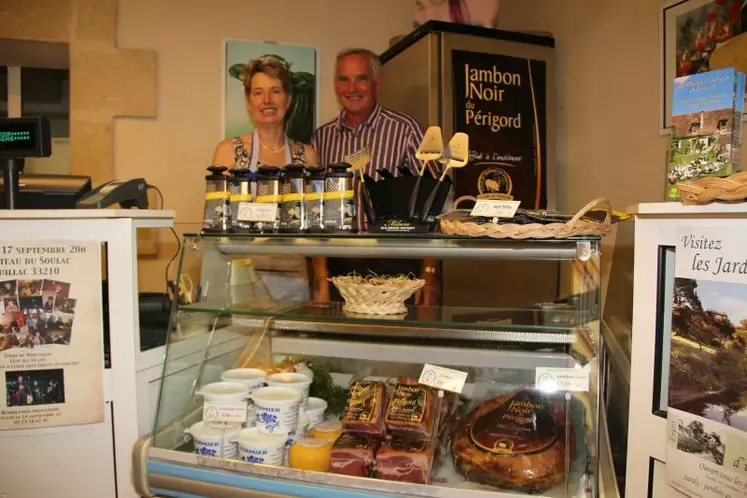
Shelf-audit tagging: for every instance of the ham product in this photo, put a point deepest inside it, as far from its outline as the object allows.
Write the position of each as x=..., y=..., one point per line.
x=403, y=460
x=364, y=412
x=353, y=455
x=512, y=442
x=412, y=411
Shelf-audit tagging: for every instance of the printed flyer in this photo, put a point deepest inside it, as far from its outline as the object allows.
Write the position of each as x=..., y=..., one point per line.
x=707, y=396
x=51, y=352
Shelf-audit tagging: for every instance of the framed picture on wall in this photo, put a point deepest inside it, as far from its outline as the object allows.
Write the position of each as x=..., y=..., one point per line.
x=690, y=31
x=302, y=62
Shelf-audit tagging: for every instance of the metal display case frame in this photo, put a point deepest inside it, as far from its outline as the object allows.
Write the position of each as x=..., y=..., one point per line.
x=229, y=315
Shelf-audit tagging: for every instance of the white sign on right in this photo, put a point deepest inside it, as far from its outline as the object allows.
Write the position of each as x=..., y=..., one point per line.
x=706, y=394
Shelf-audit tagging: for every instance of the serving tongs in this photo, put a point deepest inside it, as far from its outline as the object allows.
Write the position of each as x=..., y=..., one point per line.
x=431, y=148
x=455, y=156
x=358, y=161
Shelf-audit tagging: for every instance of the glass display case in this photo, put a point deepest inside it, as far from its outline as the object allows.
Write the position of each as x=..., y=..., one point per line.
x=272, y=389
x=617, y=326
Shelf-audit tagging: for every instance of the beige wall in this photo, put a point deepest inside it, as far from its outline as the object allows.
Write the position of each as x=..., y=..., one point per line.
x=609, y=97
x=173, y=150
x=105, y=82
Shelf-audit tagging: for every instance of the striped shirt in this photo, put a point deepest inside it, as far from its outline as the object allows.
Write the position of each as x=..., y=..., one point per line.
x=392, y=137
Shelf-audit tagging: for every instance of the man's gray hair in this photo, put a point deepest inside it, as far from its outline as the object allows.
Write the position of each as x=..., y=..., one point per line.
x=373, y=59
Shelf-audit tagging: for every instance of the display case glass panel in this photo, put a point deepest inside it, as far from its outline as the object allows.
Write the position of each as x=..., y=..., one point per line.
x=515, y=411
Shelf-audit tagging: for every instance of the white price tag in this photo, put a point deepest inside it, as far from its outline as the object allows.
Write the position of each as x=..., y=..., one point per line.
x=562, y=379
x=443, y=378
x=254, y=211
x=495, y=209
x=224, y=412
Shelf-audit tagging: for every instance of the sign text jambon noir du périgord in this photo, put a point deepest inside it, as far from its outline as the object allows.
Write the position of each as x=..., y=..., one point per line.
x=499, y=101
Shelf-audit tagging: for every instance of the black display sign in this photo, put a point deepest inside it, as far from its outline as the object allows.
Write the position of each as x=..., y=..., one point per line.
x=24, y=137
x=18, y=136
x=499, y=101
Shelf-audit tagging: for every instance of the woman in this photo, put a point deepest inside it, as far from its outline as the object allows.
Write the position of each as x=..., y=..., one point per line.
x=267, y=88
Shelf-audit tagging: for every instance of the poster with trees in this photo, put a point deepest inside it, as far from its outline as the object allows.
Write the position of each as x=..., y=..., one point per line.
x=707, y=395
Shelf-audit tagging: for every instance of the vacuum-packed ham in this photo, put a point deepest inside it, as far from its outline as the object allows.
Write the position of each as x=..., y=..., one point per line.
x=412, y=411
x=404, y=460
x=353, y=455
x=364, y=412
x=512, y=442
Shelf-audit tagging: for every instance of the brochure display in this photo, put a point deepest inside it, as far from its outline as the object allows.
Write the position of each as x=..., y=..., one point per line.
x=707, y=415
x=688, y=352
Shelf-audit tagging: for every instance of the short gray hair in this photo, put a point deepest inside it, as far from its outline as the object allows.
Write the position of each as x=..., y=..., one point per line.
x=373, y=59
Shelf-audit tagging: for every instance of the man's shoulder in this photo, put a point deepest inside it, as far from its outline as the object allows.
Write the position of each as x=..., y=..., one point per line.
x=326, y=126
x=399, y=116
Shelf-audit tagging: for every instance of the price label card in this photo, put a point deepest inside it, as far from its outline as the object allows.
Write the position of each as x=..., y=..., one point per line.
x=495, y=209
x=254, y=211
x=562, y=379
x=443, y=378
x=224, y=412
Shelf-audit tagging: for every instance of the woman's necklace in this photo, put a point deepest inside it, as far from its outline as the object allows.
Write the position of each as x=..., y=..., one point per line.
x=271, y=150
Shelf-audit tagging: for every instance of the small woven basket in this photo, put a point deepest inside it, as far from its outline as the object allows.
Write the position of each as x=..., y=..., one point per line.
x=380, y=299
x=575, y=227
x=733, y=188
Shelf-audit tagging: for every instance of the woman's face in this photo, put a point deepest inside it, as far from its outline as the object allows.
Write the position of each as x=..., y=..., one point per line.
x=268, y=101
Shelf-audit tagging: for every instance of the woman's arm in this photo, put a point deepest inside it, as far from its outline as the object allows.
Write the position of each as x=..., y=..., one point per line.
x=309, y=153
x=223, y=155
x=319, y=282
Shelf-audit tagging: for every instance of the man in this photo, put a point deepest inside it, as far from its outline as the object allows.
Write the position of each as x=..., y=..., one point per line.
x=393, y=139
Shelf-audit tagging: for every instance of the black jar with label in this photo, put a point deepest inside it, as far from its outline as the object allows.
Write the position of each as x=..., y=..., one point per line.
x=217, y=216
x=269, y=181
x=240, y=187
x=314, y=199
x=292, y=209
x=339, y=199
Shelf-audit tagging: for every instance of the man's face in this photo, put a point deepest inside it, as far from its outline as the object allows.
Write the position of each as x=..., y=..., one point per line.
x=355, y=85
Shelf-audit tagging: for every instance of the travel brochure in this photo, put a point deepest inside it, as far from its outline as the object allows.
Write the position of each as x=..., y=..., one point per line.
x=706, y=127
x=707, y=397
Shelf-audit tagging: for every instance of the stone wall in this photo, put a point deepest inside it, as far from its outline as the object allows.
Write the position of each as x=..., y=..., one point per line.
x=105, y=82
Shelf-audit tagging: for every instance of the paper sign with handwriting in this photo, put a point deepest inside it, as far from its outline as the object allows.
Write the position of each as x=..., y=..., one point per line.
x=562, y=379
x=443, y=378
x=495, y=209
x=254, y=211
x=224, y=412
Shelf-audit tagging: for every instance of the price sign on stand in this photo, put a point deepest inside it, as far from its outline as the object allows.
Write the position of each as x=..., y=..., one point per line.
x=443, y=378
x=255, y=211
x=224, y=412
x=562, y=379
x=495, y=209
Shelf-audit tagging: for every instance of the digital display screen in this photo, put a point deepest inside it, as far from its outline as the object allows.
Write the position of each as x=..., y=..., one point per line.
x=18, y=135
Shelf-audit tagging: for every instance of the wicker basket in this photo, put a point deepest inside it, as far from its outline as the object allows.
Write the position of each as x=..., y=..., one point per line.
x=733, y=188
x=575, y=227
x=383, y=299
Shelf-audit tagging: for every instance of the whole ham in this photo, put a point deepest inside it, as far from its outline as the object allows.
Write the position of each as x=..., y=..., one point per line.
x=511, y=442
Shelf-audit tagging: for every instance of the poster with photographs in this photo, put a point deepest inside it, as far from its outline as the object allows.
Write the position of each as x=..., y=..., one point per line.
x=51, y=355
x=707, y=407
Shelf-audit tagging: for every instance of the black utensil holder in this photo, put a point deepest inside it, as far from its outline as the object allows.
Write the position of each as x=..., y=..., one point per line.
x=391, y=201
